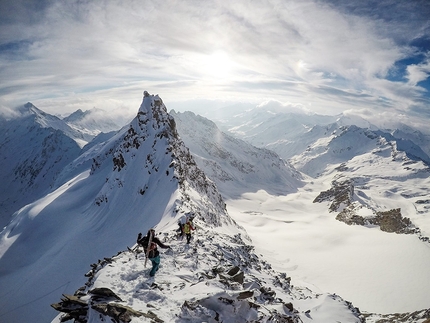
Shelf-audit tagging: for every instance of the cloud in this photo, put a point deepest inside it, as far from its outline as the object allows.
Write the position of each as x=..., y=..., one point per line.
x=324, y=55
x=7, y=112
x=418, y=73
x=276, y=106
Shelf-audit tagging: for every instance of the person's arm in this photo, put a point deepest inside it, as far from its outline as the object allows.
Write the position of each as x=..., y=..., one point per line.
x=158, y=242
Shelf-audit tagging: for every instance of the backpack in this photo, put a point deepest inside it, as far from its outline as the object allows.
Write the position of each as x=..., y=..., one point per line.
x=143, y=241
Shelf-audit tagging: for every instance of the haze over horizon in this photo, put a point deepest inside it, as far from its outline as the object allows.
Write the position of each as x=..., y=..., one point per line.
x=324, y=56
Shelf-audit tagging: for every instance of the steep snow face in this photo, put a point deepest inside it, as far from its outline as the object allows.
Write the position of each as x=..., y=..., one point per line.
x=33, y=152
x=236, y=166
x=140, y=178
x=403, y=131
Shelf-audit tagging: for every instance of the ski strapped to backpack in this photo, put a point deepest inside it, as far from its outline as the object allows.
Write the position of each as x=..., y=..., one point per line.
x=149, y=246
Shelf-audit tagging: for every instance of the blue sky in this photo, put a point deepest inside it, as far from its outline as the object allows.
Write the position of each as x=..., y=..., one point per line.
x=325, y=56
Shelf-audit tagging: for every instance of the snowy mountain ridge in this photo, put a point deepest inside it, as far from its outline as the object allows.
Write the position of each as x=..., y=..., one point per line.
x=35, y=147
x=140, y=178
x=342, y=143
x=46, y=120
x=290, y=133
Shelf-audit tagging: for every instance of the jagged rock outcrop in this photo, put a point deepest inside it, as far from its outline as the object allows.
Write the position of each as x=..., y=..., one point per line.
x=392, y=221
x=341, y=196
x=100, y=301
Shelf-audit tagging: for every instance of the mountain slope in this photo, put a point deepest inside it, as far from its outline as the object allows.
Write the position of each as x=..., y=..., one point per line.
x=34, y=149
x=283, y=130
x=141, y=177
x=236, y=166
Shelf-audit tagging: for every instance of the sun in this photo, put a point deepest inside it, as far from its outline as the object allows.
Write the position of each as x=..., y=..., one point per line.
x=218, y=65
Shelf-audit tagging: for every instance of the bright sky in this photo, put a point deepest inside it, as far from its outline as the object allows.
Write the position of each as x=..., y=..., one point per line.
x=327, y=56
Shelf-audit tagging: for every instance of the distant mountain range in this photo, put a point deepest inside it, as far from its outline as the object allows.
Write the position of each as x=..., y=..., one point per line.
x=92, y=122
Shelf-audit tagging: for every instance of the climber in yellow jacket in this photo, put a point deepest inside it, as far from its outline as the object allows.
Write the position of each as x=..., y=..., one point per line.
x=187, y=230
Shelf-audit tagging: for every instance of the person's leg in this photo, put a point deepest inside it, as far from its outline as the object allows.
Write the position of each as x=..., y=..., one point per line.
x=188, y=237
x=155, y=264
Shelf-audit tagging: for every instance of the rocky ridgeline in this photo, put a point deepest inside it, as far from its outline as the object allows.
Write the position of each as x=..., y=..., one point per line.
x=341, y=196
x=215, y=279
x=152, y=139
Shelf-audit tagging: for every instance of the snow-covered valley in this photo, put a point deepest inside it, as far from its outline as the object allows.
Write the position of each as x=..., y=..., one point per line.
x=378, y=272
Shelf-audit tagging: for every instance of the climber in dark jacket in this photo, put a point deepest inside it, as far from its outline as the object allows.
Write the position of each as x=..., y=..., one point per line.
x=153, y=254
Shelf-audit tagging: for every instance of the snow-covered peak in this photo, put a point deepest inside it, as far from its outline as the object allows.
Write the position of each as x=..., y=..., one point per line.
x=349, y=119
x=34, y=149
x=44, y=119
x=92, y=122
x=75, y=116
x=29, y=115
x=29, y=108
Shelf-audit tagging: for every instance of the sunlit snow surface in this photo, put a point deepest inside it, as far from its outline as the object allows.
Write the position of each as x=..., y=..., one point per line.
x=378, y=272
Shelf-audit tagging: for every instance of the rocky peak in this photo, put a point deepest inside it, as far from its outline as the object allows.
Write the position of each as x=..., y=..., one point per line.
x=151, y=139
x=30, y=109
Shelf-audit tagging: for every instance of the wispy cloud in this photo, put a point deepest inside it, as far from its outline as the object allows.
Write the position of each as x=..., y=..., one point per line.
x=326, y=55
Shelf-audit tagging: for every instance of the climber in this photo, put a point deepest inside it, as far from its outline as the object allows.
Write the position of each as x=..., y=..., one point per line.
x=151, y=251
x=188, y=226
x=180, y=229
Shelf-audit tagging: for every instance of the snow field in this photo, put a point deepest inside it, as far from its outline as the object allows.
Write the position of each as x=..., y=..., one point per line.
x=378, y=272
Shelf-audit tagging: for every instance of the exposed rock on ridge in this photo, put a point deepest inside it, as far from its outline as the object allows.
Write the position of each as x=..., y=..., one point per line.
x=217, y=279
x=176, y=162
